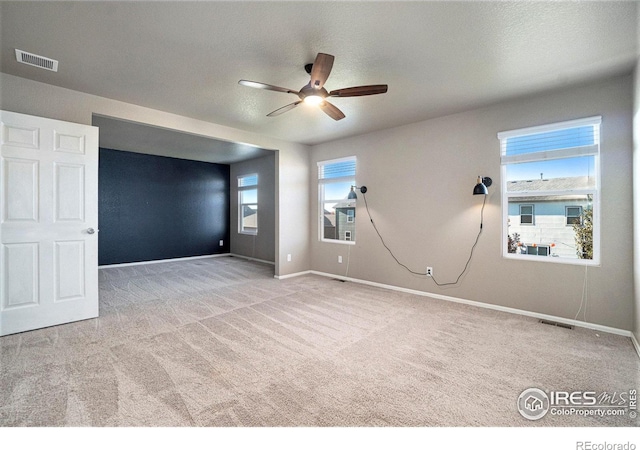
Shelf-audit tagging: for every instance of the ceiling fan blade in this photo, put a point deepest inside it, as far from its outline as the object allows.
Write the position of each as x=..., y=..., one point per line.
x=331, y=110
x=255, y=84
x=321, y=70
x=284, y=109
x=359, y=90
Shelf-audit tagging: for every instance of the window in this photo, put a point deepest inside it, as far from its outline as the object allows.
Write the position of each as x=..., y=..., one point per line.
x=336, y=211
x=351, y=215
x=248, y=204
x=574, y=215
x=550, y=191
x=537, y=250
x=526, y=214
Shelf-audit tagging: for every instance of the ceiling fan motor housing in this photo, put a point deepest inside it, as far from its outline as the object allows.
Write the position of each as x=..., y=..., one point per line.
x=308, y=91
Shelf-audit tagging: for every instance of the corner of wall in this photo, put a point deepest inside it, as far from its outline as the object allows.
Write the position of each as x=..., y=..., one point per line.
x=636, y=188
x=636, y=196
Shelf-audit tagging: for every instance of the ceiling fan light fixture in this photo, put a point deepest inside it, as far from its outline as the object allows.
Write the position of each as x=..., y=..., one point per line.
x=313, y=99
x=314, y=93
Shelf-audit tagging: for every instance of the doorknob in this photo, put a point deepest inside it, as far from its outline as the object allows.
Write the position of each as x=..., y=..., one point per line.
x=90, y=231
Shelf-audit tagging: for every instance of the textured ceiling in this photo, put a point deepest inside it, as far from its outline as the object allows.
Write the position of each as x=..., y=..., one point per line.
x=437, y=57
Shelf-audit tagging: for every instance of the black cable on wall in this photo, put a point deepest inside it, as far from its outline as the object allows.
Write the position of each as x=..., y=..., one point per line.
x=466, y=266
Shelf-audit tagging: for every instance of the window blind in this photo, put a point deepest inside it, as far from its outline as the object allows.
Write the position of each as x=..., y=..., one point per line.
x=564, y=140
x=337, y=169
x=248, y=180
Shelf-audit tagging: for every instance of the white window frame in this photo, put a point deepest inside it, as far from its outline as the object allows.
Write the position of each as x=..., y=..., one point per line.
x=589, y=150
x=241, y=205
x=322, y=200
x=347, y=235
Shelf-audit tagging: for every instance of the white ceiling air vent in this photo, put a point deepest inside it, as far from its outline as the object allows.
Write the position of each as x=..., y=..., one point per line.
x=36, y=60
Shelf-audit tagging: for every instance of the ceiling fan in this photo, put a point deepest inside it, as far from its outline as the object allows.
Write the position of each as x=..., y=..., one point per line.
x=314, y=93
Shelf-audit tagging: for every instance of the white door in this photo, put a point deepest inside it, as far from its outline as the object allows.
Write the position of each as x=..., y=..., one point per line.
x=48, y=222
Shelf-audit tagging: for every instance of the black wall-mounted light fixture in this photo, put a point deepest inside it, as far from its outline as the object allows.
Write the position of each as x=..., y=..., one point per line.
x=352, y=193
x=481, y=186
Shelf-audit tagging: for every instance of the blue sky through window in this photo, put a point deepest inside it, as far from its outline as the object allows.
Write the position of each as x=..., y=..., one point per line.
x=337, y=191
x=552, y=140
x=249, y=196
x=554, y=168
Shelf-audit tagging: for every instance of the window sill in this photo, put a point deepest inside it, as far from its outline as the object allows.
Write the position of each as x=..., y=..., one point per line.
x=338, y=241
x=552, y=259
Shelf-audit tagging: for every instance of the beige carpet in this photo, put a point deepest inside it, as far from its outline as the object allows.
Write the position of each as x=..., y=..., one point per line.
x=219, y=342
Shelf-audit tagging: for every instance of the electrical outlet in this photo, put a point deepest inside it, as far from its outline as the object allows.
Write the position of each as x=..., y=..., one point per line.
x=429, y=271
x=221, y=243
x=288, y=257
x=340, y=259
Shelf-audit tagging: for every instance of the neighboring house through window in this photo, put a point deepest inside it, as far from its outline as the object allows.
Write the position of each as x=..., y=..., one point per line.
x=550, y=191
x=248, y=204
x=337, y=212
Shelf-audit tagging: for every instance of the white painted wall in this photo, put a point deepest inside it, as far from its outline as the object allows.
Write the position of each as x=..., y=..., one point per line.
x=292, y=162
x=420, y=179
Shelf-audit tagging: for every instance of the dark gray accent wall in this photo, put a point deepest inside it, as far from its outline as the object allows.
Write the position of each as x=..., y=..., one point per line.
x=154, y=207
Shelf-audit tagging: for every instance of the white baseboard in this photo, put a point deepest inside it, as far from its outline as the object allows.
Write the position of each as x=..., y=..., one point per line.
x=292, y=275
x=635, y=343
x=522, y=312
x=157, y=261
x=250, y=258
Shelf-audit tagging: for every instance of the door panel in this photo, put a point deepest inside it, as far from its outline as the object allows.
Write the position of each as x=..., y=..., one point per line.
x=49, y=259
x=20, y=190
x=18, y=136
x=20, y=278
x=69, y=192
x=69, y=271
x=69, y=143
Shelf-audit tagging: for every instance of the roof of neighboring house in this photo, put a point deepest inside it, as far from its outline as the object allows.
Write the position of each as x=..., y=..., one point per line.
x=345, y=204
x=551, y=184
x=329, y=219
